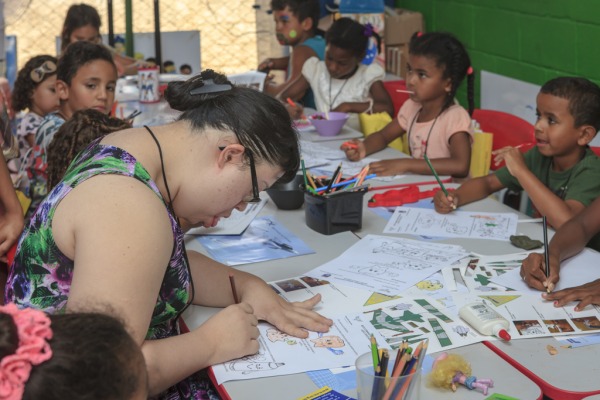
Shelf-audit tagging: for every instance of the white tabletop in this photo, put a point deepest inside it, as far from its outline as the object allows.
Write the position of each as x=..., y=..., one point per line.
x=508, y=380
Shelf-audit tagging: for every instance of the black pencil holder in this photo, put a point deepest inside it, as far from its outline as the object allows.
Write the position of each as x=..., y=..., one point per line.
x=338, y=212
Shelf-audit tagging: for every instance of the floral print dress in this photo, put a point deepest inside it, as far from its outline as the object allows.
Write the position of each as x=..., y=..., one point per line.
x=41, y=274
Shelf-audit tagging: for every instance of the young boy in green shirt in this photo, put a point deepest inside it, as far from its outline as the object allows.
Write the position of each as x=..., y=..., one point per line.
x=561, y=175
x=296, y=26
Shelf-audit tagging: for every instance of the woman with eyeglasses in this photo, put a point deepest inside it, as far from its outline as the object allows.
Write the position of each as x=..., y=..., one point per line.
x=110, y=231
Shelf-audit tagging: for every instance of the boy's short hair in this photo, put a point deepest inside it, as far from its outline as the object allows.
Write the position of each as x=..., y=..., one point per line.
x=583, y=96
x=78, y=54
x=302, y=9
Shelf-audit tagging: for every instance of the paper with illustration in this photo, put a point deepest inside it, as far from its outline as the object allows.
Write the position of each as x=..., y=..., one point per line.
x=458, y=224
x=387, y=265
x=236, y=224
x=281, y=354
x=575, y=271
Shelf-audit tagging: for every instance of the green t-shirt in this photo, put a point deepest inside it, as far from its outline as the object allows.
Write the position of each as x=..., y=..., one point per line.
x=580, y=183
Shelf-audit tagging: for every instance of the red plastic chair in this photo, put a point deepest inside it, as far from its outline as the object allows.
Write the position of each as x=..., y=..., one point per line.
x=398, y=98
x=596, y=150
x=508, y=130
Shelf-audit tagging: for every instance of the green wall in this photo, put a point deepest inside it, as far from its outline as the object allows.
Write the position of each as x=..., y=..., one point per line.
x=530, y=40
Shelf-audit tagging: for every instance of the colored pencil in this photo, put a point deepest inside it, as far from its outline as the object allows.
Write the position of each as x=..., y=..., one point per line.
x=350, y=145
x=546, y=252
x=404, y=91
x=291, y=102
x=379, y=384
x=435, y=175
x=374, y=352
x=310, y=180
x=344, y=183
x=233, y=291
x=333, y=178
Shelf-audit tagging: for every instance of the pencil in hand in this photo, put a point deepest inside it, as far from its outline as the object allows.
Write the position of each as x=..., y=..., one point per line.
x=546, y=252
x=437, y=178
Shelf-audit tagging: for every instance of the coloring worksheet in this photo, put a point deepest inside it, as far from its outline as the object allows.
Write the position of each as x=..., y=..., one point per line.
x=458, y=224
x=575, y=271
x=387, y=265
x=282, y=354
x=265, y=239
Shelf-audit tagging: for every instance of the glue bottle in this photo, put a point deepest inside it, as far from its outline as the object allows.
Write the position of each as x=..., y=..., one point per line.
x=485, y=320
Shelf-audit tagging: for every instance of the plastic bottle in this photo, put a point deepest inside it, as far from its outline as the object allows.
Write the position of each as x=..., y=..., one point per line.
x=485, y=320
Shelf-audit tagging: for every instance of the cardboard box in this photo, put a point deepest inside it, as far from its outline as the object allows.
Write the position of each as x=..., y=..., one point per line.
x=400, y=27
x=395, y=59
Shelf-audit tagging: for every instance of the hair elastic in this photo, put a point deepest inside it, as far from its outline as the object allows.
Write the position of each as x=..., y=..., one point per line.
x=419, y=34
x=469, y=70
x=37, y=74
x=368, y=32
x=209, y=86
x=33, y=328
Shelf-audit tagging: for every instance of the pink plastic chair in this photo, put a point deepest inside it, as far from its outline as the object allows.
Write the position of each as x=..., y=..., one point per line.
x=508, y=130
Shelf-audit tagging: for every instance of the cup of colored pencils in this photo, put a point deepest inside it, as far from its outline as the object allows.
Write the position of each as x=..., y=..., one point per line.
x=391, y=374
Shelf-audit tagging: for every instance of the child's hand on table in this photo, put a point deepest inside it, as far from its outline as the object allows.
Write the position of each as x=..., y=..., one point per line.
x=388, y=167
x=291, y=318
x=355, y=149
x=533, y=272
x=586, y=294
x=445, y=204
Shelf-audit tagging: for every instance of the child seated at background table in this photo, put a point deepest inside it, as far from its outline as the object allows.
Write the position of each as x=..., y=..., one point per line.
x=341, y=82
x=435, y=125
x=569, y=240
x=86, y=78
x=561, y=174
x=295, y=26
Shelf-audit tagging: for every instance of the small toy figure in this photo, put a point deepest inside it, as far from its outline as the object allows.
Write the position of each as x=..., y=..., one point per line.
x=450, y=369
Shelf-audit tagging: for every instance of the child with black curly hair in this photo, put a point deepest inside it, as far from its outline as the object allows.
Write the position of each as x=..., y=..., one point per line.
x=83, y=128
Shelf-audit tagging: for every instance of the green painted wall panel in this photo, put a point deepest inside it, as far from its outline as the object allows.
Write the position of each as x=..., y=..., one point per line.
x=530, y=40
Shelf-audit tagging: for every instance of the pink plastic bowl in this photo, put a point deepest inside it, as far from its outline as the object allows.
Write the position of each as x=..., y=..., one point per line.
x=331, y=126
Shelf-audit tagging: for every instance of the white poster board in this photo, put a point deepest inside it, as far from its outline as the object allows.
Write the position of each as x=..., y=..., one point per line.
x=181, y=47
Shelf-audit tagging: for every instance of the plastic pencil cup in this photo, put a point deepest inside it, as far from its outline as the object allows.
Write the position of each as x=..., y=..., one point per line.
x=338, y=212
x=371, y=387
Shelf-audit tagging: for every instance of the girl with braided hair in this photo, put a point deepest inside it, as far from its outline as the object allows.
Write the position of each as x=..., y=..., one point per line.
x=73, y=136
x=434, y=124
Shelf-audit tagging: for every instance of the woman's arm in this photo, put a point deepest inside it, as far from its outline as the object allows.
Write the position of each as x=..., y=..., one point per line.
x=213, y=289
x=121, y=242
x=11, y=213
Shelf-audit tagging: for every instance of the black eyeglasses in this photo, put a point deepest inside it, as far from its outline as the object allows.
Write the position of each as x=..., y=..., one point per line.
x=255, y=198
x=255, y=190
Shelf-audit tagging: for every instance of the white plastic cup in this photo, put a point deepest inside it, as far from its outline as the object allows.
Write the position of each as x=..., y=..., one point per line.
x=371, y=387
